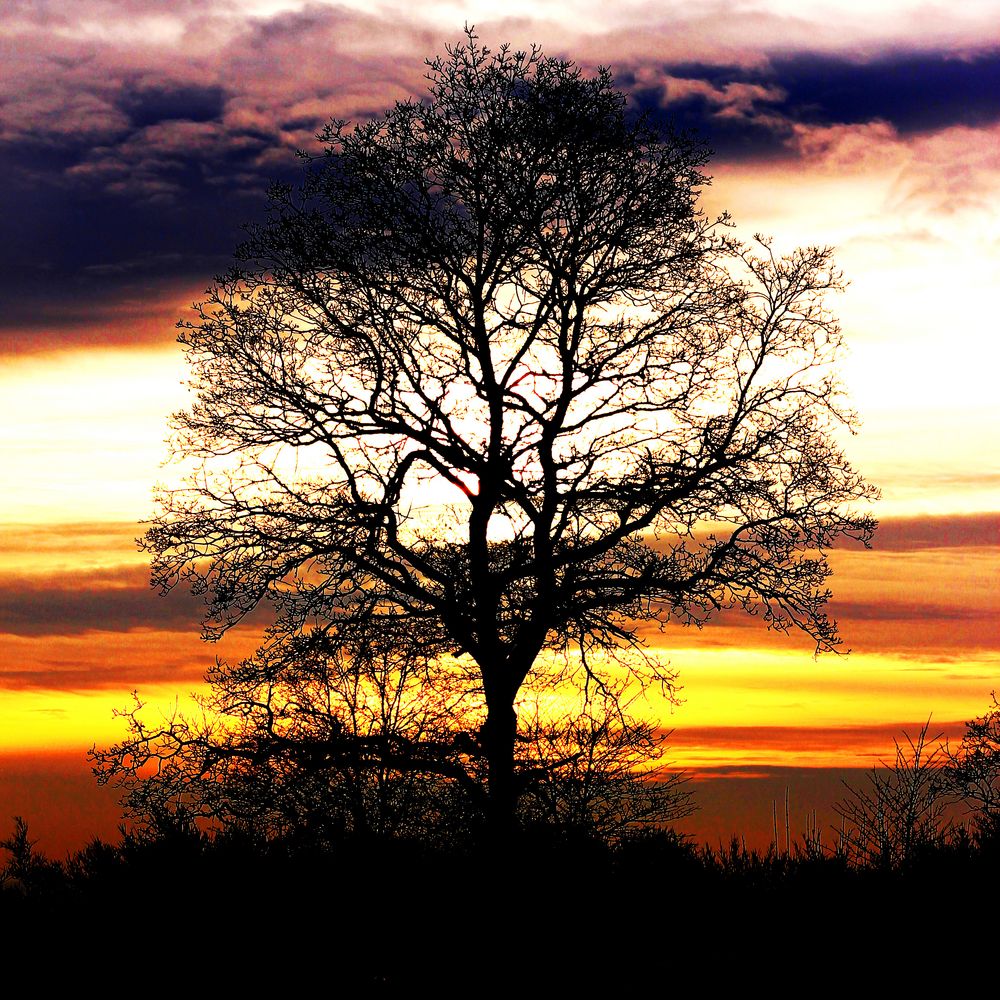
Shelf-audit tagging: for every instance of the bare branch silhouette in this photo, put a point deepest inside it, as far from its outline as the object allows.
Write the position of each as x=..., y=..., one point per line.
x=490, y=378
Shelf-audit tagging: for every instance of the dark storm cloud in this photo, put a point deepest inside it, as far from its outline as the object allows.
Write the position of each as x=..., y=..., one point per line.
x=748, y=112
x=151, y=105
x=87, y=240
x=737, y=118
x=130, y=170
x=914, y=92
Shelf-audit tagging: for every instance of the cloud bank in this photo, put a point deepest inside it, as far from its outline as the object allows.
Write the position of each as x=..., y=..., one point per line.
x=136, y=140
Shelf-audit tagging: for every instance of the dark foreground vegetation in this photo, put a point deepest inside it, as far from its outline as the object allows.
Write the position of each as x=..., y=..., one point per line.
x=909, y=880
x=566, y=913
x=573, y=912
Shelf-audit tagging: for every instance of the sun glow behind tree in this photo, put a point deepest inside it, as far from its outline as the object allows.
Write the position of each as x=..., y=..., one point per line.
x=508, y=287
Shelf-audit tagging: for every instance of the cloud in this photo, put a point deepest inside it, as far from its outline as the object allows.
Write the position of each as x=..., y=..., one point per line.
x=916, y=612
x=132, y=163
x=121, y=675
x=107, y=600
x=739, y=120
x=76, y=663
x=920, y=91
x=166, y=651
x=939, y=184
x=77, y=539
x=903, y=534
x=819, y=739
x=808, y=103
x=136, y=139
x=152, y=104
x=850, y=612
x=925, y=531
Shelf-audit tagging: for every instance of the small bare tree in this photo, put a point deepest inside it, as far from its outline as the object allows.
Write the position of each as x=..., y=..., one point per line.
x=311, y=740
x=27, y=871
x=972, y=770
x=903, y=808
x=598, y=770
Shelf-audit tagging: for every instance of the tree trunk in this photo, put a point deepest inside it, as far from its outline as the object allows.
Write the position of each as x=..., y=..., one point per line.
x=498, y=741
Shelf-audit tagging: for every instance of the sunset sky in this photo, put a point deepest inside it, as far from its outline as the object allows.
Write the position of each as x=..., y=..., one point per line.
x=137, y=137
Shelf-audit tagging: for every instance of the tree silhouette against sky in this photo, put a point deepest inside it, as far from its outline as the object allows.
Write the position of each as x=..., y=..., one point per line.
x=489, y=384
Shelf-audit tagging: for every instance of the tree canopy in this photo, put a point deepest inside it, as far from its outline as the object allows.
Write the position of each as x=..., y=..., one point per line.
x=490, y=385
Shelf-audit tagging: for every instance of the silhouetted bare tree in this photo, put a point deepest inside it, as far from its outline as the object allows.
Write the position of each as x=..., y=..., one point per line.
x=308, y=737
x=972, y=770
x=489, y=377
x=304, y=741
x=26, y=871
x=597, y=770
x=902, y=811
